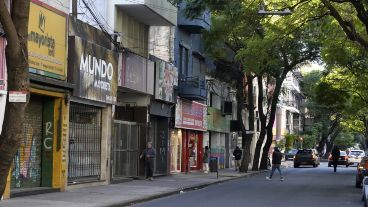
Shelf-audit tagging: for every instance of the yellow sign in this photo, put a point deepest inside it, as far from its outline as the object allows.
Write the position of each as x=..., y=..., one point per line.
x=47, y=41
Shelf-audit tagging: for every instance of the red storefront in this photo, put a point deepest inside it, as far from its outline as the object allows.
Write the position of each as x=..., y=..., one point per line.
x=190, y=123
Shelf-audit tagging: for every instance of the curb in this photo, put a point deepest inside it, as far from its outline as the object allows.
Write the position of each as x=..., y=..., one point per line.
x=178, y=191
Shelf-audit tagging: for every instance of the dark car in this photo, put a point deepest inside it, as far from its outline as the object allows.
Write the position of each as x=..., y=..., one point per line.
x=362, y=170
x=306, y=157
x=290, y=154
x=343, y=159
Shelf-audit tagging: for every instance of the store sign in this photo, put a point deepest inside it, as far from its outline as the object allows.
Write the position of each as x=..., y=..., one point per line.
x=17, y=96
x=216, y=121
x=166, y=79
x=190, y=115
x=137, y=73
x=93, y=69
x=47, y=41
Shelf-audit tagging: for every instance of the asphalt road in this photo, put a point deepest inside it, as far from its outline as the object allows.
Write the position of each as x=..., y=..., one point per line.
x=302, y=187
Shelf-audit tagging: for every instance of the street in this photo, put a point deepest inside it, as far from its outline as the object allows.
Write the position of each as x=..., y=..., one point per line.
x=303, y=187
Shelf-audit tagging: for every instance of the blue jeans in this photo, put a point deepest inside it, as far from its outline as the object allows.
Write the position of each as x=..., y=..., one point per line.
x=274, y=167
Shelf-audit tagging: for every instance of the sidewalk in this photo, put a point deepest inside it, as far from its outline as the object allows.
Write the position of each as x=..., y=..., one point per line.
x=126, y=193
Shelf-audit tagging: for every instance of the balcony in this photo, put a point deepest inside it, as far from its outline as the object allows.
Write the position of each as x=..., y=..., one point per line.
x=149, y=12
x=195, y=25
x=192, y=88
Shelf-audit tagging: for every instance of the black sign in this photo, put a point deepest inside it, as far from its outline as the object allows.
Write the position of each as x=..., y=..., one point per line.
x=93, y=69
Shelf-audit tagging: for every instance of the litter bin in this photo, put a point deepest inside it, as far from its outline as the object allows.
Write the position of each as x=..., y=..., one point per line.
x=213, y=164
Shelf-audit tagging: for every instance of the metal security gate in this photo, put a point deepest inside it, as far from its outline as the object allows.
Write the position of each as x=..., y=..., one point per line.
x=84, y=143
x=27, y=162
x=126, y=148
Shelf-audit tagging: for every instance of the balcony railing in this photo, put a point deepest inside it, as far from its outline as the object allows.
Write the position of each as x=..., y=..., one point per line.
x=192, y=88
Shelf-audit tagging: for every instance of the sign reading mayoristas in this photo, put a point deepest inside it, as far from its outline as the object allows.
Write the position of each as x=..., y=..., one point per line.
x=94, y=70
x=47, y=41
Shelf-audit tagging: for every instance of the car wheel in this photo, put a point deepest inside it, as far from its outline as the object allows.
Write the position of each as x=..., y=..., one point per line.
x=296, y=166
x=329, y=165
x=358, y=184
x=347, y=165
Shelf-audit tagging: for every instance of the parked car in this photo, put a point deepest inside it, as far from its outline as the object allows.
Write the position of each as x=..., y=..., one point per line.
x=290, y=154
x=343, y=159
x=306, y=157
x=365, y=191
x=362, y=170
x=355, y=156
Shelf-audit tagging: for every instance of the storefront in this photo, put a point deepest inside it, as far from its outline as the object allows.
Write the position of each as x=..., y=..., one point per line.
x=40, y=160
x=93, y=69
x=131, y=118
x=161, y=113
x=191, y=120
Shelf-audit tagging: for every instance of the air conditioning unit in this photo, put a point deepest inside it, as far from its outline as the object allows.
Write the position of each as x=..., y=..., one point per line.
x=227, y=108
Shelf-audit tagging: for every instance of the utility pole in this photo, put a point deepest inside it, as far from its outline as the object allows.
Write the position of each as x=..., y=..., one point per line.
x=74, y=8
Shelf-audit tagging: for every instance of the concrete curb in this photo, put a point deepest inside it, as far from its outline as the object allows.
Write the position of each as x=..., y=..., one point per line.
x=186, y=189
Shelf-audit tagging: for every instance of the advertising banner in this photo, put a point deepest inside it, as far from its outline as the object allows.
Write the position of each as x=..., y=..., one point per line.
x=216, y=121
x=137, y=73
x=166, y=79
x=93, y=69
x=190, y=115
x=47, y=41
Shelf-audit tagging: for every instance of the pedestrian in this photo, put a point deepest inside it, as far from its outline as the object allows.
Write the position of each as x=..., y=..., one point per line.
x=237, y=154
x=149, y=156
x=206, y=159
x=276, y=163
x=335, y=156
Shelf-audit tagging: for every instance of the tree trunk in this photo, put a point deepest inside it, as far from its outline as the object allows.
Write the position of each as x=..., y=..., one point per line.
x=271, y=121
x=248, y=137
x=330, y=143
x=16, y=29
x=263, y=121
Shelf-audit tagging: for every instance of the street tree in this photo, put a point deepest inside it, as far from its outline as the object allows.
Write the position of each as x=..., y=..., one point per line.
x=15, y=26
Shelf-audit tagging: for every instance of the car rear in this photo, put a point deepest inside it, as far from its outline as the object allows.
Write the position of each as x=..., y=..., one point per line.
x=305, y=157
x=355, y=156
x=343, y=159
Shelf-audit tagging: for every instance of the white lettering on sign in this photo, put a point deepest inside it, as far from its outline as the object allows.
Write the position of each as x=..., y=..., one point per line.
x=96, y=67
x=47, y=142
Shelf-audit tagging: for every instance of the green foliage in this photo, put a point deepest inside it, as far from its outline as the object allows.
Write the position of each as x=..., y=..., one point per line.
x=289, y=141
x=345, y=140
x=309, y=141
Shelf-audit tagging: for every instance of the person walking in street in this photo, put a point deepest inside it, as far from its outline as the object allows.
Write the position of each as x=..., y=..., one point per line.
x=206, y=159
x=276, y=163
x=237, y=154
x=149, y=156
x=335, y=157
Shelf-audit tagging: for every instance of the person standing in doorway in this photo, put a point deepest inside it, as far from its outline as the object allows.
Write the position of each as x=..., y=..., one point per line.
x=149, y=156
x=276, y=163
x=237, y=154
x=335, y=157
x=206, y=159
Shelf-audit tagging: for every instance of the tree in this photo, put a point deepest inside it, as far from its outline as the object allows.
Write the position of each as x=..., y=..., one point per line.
x=289, y=141
x=15, y=24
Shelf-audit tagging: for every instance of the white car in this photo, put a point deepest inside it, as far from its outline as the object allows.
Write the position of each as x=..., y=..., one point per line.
x=355, y=156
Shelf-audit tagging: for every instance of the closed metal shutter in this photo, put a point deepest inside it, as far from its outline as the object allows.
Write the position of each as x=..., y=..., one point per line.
x=84, y=143
x=27, y=162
